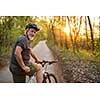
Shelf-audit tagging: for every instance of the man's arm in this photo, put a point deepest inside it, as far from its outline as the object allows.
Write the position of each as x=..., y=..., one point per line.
x=19, y=59
x=34, y=56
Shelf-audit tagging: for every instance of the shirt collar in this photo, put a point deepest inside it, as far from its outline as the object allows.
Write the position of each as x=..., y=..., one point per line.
x=25, y=34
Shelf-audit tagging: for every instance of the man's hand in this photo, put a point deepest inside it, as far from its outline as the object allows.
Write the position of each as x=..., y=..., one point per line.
x=26, y=69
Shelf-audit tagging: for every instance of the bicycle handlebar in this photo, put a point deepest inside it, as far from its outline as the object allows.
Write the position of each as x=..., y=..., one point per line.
x=47, y=62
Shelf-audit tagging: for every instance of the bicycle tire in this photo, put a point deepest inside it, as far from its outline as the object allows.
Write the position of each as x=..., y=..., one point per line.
x=50, y=78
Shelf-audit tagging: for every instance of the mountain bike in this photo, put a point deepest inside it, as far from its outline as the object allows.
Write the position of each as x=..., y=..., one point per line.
x=47, y=77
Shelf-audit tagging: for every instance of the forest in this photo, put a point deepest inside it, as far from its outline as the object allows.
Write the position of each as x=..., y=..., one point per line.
x=74, y=41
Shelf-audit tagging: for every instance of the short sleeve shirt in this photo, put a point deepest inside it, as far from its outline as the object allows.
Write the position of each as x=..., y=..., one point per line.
x=23, y=42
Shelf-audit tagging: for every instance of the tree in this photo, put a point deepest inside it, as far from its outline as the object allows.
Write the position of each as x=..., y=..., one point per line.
x=99, y=28
x=87, y=39
x=91, y=31
x=71, y=37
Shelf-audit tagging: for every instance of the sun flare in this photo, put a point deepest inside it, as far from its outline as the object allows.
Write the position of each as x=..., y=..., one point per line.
x=66, y=30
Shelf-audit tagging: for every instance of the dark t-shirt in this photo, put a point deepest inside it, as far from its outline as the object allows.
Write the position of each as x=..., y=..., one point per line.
x=23, y=42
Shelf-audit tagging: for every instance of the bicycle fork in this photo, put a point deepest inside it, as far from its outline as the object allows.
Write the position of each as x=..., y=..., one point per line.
x=46, y=77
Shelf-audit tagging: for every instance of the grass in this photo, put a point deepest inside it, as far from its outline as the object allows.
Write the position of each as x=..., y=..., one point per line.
x=82, y=55
x=77, y=63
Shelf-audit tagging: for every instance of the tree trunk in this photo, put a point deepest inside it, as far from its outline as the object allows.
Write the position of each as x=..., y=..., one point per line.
x=86, y=34
x=92, y=38
x=77, y=33
x=71, y=37
x=99, y=28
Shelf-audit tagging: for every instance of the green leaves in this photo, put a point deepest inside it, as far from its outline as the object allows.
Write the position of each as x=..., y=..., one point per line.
x=11, y=27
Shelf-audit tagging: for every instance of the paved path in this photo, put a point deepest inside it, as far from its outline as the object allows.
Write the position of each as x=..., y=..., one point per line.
x=43, y=52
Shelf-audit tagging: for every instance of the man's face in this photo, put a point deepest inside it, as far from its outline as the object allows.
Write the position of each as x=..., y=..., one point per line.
x=31, y=32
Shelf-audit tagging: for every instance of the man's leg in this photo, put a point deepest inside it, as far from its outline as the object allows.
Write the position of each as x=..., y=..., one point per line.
x=19, y=78
x=39, y=73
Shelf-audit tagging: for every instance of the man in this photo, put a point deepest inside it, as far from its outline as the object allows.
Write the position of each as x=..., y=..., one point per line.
x=19, y=66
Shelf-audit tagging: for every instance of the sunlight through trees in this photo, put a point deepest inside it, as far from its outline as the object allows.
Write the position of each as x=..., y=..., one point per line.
x=74, y=32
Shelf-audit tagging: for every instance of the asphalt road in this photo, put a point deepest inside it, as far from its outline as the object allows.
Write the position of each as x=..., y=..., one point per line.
x=43, y=52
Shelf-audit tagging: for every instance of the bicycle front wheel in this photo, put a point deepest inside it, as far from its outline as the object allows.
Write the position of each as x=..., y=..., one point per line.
x=50, y=79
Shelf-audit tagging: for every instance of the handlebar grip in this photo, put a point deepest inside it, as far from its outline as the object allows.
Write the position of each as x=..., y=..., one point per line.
x=49, y=62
